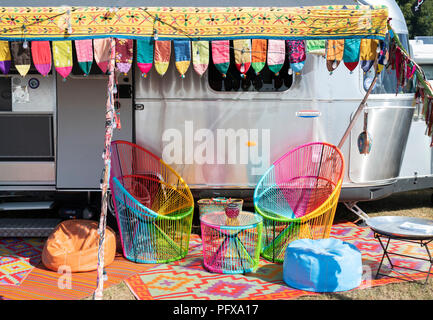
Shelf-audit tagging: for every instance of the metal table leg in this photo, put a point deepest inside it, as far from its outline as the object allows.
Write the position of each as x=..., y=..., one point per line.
x=386, y=252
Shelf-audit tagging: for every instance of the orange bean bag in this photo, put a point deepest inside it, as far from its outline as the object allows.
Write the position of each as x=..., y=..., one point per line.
x=74, y=243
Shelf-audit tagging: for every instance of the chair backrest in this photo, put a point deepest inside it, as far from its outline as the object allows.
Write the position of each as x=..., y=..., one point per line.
x=148, y=179
x=301, y=180
x=130, y=159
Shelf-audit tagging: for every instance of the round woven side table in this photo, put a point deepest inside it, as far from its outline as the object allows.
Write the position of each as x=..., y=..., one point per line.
x=231, y=245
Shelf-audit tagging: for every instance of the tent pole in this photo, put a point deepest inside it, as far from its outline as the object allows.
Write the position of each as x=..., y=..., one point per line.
x=109, y=125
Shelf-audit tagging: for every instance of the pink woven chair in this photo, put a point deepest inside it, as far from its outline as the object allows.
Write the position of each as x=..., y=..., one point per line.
x=298, y=195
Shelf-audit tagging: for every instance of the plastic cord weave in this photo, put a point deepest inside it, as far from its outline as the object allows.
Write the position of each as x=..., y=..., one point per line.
x=298, y=196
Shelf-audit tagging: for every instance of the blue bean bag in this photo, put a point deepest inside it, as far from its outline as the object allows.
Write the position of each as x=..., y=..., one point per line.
x=325, y=265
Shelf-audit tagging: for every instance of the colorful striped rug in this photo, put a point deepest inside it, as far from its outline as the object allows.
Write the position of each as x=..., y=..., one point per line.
x=43, y=284
x=17, y=258
x=188, y=280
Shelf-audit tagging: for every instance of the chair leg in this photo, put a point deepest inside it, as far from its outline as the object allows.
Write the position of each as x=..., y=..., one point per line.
x=276, y=242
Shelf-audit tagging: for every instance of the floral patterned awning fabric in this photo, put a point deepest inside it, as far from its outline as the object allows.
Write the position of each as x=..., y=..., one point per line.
x=292, y=23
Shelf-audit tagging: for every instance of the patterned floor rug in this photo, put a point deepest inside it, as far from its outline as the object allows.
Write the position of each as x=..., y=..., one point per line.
x=187, y=279
x=18, y=257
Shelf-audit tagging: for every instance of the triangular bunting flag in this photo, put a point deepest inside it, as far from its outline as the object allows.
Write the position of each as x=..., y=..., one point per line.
x=200, y=56
x=242, y=50
x=62, y=55
x=382, y=58
x=145, y=55
x=22, y=57
x=84, y=50
x=276, y=55
x=41, y=54
x=162, y=56
x=5, y=57
x=221, y=55
x=182, y=55
x=101, y=50
x=259, y=48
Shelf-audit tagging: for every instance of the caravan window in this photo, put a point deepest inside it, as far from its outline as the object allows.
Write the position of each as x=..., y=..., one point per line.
x=387, y=81
x=266, y=81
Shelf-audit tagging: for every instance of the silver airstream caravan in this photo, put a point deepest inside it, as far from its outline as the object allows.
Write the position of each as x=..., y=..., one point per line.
x=220, y=134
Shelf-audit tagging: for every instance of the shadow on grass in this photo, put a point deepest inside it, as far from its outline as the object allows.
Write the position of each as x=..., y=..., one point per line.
x=403, y=202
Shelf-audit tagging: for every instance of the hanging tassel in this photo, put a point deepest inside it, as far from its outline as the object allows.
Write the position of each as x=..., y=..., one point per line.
x=430, y=116
x=411, y=71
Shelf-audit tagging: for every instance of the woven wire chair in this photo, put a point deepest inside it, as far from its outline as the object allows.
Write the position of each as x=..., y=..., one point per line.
x=298, y=195
x=154, y=206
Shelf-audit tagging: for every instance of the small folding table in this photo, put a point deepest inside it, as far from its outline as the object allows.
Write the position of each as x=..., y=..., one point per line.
x=406, y=229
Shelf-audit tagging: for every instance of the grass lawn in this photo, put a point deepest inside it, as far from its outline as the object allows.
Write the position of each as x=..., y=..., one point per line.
x=414, y=203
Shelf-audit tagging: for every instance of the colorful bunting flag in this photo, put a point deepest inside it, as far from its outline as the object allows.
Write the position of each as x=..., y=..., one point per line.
x=84, y=50
x=5, y=57
x=317, y=47
x=101, y=50
x=242, y=50
x=124, y=54
x=276, y=55
x=162, y=55
x=368, y=53
x=296, y=49
x=182, y=55
x=259, y=48
x=382, y=58
x=221, y=55
x=62, y=54
x=200, y=56
x=22, y=57
x=334, y=54
x=41, y=54
x=145, y=55
x=351, y=53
